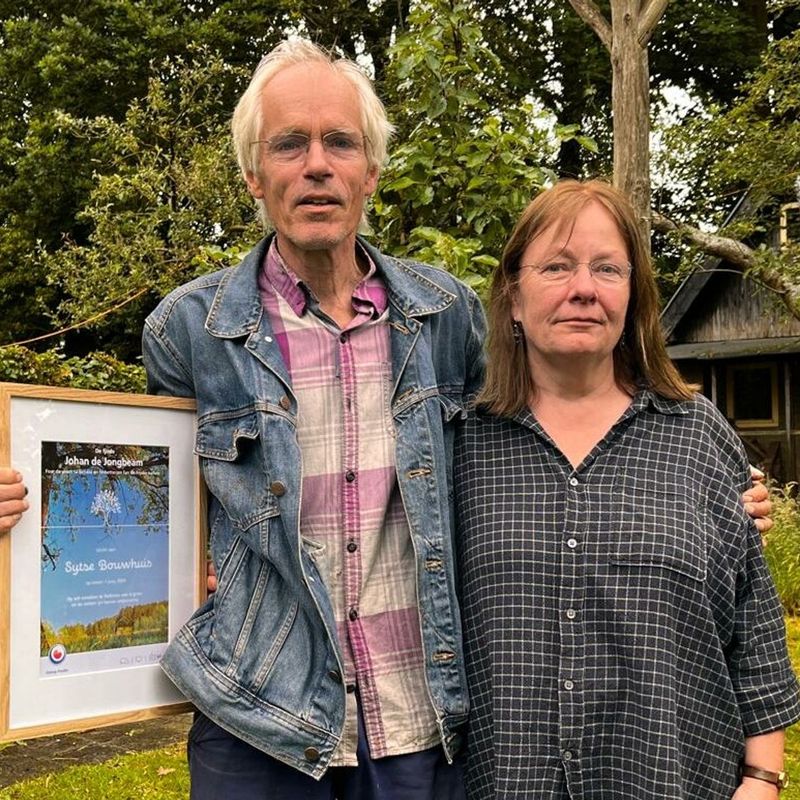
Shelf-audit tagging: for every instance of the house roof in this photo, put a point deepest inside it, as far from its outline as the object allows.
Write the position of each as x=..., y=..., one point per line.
x=736, y=348
x=684, y=296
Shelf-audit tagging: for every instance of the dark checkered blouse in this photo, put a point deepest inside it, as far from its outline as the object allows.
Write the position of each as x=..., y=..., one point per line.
x=622, y=632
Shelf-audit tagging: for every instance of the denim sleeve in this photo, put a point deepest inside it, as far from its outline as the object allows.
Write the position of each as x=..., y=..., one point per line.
x=167, y=372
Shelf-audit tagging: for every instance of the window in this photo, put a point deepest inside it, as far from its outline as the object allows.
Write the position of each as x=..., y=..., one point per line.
x=790, y=223
x=753, y=395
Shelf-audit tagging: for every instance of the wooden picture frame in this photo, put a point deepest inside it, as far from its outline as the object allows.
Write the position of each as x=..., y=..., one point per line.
x=107, y=563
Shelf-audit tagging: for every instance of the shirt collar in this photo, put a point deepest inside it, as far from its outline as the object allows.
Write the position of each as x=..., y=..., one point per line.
x=369, y=296
x=647, y=398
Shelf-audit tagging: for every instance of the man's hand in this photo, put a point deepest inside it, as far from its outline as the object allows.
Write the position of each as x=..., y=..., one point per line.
x=211, y=577
x=757, y=503
x=12, y=498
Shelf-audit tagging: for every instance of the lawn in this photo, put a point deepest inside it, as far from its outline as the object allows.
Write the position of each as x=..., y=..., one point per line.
x=151, y=775
x=162, y=774
x=793, y=735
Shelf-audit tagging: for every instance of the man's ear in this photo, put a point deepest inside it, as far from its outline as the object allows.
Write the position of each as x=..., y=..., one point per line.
x=371, y=181
x=254, y=185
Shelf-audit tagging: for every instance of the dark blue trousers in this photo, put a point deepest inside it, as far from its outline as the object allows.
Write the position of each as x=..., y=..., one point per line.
x=223, y=767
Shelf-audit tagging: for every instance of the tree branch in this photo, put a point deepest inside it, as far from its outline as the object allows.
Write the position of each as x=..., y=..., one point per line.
x=732, y=250
x=649, y=18
x=593, y=17
x=737, y=254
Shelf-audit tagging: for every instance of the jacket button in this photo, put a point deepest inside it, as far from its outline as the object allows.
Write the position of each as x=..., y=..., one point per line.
x=277, y=488
x=334, y=675
x=285, y=403
x=311, y=754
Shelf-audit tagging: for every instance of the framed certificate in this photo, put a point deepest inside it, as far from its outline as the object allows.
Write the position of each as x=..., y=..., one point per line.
x=107, y=563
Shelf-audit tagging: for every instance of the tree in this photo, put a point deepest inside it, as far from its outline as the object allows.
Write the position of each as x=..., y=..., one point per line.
x=626, y=38
x=85, y=61
x=464, y=167
x=167, y=203
x=752, y=147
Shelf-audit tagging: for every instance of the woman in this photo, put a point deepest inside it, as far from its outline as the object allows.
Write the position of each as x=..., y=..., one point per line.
x=622, y=633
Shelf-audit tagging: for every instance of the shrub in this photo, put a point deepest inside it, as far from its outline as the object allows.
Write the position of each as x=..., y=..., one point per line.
x=52, y=368
x=783, y=546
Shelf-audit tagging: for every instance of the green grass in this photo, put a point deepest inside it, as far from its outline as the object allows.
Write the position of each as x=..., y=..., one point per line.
x=151, y=775
x=162, y=774
x=792, y=792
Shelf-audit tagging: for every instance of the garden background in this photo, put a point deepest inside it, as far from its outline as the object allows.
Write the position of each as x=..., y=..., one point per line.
x=118, y=183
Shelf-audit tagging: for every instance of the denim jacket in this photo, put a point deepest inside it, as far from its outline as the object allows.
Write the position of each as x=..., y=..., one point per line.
x=261, y=656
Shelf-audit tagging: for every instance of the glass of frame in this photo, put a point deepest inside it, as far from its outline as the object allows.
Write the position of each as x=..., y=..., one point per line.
x=107, y=563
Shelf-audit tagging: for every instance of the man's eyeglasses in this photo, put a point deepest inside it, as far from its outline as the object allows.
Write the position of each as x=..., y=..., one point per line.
x=288, y=147
x=608, y=273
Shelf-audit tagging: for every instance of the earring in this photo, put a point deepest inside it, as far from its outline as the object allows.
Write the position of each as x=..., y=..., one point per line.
x=516, y=332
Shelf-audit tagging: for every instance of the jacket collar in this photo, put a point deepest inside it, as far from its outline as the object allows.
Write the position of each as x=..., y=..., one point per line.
x=236, y=310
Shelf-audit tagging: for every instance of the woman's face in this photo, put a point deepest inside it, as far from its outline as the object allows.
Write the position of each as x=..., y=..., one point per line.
x=581, y=314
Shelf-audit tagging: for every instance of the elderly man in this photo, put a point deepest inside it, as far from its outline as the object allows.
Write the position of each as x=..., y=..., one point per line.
x=328, y=380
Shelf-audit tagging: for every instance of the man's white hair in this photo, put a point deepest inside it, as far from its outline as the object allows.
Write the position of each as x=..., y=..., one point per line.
x=247, y=119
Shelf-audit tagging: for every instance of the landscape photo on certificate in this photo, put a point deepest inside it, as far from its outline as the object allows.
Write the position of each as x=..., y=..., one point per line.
x=105, y=556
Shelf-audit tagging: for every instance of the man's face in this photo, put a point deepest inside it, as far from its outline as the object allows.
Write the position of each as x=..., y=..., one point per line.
x=314, y=199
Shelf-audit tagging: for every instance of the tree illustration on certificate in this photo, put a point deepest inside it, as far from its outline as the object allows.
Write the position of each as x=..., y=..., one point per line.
x=105, y=556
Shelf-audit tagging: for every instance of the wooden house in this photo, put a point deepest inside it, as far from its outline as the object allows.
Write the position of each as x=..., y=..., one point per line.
x=734, y=338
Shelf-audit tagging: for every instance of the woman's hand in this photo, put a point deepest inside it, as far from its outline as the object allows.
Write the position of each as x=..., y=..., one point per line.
x=757, y=503
x=749, y=789
x=12, y=499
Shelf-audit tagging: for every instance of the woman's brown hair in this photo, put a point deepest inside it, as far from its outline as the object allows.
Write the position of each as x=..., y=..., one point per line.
x=640, y=357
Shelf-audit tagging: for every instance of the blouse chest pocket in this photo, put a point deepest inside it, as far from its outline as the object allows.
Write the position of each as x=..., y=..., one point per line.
x=233, y=468
x=657, y=527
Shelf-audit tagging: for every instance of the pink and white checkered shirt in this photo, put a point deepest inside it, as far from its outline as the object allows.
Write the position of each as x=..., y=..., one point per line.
x=352, y=519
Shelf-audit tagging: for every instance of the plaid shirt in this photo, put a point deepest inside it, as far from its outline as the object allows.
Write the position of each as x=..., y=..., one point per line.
x=623, y=634
x=352, y=520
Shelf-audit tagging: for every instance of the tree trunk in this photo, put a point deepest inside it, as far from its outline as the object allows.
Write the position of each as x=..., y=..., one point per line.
x=626, y=39
x=630, y=103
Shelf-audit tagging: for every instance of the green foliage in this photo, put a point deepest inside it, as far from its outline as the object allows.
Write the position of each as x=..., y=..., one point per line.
x=52, y=368
x=783, y=546
x=753, y=145
x=168, y=190
x=463, y=168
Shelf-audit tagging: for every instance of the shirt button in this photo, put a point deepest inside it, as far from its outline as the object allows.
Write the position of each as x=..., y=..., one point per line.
x=343, y=338
x=277, y=488
x=352, y=547
x=285, y=403
x=573, y=481
x=353, y=614
x=349, y=476
x=311, y=754
x=571, y=613
x=568, y=755
x=351, y=687
x=569, y=685
x=572, y=543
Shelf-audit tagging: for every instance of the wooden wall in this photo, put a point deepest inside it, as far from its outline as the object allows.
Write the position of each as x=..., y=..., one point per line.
x=732, y=307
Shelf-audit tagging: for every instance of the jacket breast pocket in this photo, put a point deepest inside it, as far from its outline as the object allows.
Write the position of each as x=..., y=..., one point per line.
x=659, y=528
x=233, y=468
